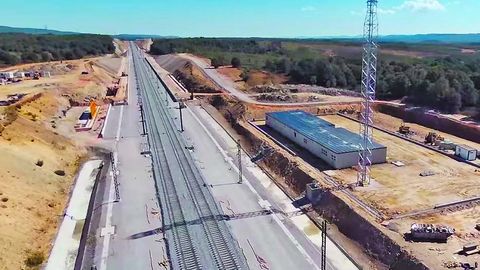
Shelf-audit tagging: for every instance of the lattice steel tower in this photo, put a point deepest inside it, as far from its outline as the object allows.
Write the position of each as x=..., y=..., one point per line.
x=369, y=81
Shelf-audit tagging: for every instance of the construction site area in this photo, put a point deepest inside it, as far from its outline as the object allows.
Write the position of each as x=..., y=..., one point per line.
x=42, y=148
x=424, y=178
x=417, y=184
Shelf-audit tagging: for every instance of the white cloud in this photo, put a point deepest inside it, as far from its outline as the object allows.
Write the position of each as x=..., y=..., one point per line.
x=419, y=5
x=308, y=8
x=409, y=5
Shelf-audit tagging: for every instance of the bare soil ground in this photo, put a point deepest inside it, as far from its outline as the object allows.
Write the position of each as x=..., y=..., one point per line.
x=305, y=97
x=36, y=140
x=145, y=43
x=398, y=190
x=255, y=77
x=112, y=64
x=401, y=190
x=392, y=123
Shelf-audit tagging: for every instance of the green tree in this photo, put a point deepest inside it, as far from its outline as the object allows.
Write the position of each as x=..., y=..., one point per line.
x=235, y=62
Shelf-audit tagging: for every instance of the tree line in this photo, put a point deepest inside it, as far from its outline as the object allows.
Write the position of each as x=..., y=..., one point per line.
x=25, y=48
x=447, y=83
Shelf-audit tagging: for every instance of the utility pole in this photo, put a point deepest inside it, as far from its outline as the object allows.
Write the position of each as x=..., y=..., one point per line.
x=369, y=81
x=239, y=157
x=323, y=228
x=181, y=105
x=143, y=120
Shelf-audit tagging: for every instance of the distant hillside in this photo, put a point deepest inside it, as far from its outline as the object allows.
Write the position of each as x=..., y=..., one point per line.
x=140, y=36
x=18, y=48
x=420, y=38
x=36, y=31
x=433, y=38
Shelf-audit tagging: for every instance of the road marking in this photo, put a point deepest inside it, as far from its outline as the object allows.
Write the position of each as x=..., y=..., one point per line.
x=102, y=133
x=119, y=128
x=245, y=180
x=108, y=228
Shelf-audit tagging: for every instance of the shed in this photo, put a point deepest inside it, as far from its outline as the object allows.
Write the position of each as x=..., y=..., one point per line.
x=19, y=74
x=338, y=147
x=466, y=152
x=6, y=75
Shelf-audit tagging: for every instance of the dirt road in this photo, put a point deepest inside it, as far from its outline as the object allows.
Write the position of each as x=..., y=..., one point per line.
x=227, y=85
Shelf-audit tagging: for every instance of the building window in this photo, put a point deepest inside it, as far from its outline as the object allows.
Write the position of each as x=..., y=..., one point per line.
x=305, y=141
x=294, y=134
x=333, y=157
x=324, y=152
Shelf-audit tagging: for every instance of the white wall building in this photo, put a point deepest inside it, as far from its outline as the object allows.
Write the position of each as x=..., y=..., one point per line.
x=7, y=75
x=338, y=147
x=466, y=152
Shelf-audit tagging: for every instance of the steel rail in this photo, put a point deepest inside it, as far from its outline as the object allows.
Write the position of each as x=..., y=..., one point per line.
x=186, y=254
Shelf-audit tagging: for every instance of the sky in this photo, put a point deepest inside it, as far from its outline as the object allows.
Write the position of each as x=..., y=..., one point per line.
x=243, y=18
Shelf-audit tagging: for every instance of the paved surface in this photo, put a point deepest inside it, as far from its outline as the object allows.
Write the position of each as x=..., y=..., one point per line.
x=130, y=232
x=295, y=238
x=197, y=235
x=65, y=248
x=279, y=242
x=127, y=237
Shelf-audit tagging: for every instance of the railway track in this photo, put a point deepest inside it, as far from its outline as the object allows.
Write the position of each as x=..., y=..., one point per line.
x=197, y=203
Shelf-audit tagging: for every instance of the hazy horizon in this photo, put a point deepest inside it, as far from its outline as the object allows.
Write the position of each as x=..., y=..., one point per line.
x=249, y=18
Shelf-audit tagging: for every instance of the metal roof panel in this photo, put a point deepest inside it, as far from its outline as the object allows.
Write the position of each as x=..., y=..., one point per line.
x=338, y=140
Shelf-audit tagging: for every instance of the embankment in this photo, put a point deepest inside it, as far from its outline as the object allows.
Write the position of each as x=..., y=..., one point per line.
x=435, y=121
x=287, y=174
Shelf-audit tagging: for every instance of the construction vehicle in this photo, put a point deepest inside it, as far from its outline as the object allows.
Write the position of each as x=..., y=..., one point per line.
x=405, y=130
x=433, y=138
x=36, y=76
x=431, y=232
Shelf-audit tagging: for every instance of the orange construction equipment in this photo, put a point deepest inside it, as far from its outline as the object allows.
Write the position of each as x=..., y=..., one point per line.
x=432, y=138
x=93, y=108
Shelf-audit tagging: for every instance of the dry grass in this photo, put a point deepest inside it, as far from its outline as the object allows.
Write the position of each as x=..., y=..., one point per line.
x=33, y=197
x=257, y=77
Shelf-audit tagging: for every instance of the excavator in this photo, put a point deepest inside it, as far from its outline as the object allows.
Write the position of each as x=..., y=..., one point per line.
x=405, y=130
x=432, y=138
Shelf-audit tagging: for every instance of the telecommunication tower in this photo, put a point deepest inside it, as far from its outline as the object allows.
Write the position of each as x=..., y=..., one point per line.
x=369, y=81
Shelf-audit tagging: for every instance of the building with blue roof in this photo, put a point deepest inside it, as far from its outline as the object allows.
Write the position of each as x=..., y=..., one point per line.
x=338, y=147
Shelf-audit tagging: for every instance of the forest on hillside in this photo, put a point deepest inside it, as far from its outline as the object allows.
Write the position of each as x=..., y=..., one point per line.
x=435, y=75
x=18, y=48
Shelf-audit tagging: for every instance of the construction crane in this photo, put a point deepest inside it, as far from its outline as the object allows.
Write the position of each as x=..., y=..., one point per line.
x=369, y=81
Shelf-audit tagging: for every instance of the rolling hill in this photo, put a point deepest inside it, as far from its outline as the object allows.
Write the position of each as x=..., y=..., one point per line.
x=35, y=31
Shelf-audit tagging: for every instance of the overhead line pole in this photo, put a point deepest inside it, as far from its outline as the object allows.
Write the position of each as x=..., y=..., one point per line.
x=323, y=227
x=239, y=157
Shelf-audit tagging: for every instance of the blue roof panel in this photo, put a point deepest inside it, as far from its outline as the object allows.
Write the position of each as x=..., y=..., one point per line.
x=338, y=140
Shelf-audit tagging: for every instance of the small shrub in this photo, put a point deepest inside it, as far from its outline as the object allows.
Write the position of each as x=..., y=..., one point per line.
x=60, y=172
x=39, y=163
x=35, y=259
x=4, y=199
